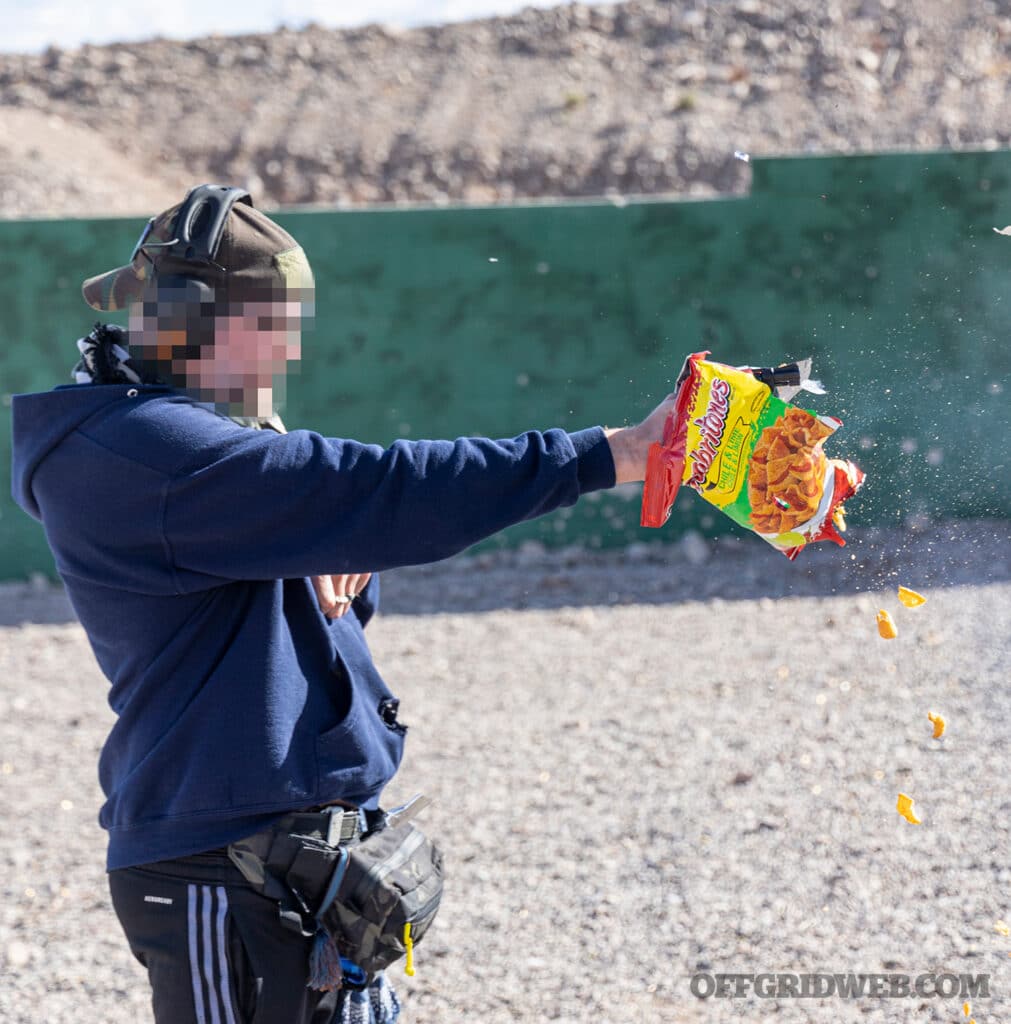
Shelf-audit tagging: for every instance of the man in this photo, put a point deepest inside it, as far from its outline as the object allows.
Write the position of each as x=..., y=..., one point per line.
x=224, y=578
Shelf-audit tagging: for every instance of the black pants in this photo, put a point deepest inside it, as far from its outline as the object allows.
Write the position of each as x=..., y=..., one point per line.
x=214, y=949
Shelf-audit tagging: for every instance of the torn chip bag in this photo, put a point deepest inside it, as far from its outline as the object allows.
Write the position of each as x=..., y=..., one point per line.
x=734, y=438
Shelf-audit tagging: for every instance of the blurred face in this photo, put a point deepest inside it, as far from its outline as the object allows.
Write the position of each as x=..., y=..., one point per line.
x=236, y=358
x=252, y=348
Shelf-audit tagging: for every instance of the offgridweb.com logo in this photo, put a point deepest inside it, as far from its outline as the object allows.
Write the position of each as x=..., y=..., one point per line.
x=820, y=985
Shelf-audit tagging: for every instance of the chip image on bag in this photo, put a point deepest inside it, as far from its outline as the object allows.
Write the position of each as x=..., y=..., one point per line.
x=786, y=474
x=735, y=438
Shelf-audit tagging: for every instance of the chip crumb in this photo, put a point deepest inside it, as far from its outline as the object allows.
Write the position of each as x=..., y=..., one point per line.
x=910, y=598
x=939, y=724
x=1001, y=927
x=966, y=1008
x=886, y=627
x=905, y=807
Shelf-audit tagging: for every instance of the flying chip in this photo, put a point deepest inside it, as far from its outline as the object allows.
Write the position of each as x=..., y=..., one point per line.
x=939, y=724
x=905, y=808
x=886, y=626
x=910, y=598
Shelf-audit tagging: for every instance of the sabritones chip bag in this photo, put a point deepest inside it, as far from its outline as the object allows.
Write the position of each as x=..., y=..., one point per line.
x=734, y=438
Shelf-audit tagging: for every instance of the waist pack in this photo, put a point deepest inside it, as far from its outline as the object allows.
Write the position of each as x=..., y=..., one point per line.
x=367, y=900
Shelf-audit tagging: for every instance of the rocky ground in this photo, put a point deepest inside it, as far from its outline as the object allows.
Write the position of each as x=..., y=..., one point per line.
x=647, y=764
x=638, y=97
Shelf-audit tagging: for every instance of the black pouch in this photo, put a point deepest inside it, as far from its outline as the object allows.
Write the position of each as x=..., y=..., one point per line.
x=383, y=896
x=371, y=899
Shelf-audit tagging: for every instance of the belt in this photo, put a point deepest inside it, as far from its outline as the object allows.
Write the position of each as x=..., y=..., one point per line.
x=334, y=825
x=294, y=860
x=268, y=859
x=274, y=863
x=275, y=847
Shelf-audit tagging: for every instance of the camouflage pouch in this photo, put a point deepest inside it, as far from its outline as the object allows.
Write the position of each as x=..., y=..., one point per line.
x=383, y=896
x=364, y=901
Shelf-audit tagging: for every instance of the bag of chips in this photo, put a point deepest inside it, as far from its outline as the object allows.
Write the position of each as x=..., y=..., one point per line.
x=734, y=438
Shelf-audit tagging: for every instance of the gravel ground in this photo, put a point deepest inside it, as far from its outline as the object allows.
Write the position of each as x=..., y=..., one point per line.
x=646, y=764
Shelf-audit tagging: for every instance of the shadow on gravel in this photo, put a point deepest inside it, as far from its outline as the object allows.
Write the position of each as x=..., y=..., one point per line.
x=729, y=568
x=691, y=569
x=37, y=602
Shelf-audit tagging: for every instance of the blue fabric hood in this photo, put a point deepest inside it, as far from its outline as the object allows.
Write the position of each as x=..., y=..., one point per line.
x=41, y=421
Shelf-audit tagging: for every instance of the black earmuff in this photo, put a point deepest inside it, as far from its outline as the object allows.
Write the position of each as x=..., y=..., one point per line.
x=201, y=222
x=197, y=233
x=187, y=303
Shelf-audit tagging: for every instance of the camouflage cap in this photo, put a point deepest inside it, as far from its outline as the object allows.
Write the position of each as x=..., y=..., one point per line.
x=255, y=259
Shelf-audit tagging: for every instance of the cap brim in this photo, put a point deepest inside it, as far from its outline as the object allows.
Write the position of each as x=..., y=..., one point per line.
x=115, y=289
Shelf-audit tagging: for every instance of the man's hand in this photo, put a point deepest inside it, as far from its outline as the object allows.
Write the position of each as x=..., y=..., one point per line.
x=335, y=593
x=630, y=445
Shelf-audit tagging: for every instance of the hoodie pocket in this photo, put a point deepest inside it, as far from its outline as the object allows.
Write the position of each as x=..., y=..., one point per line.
x=359, y=755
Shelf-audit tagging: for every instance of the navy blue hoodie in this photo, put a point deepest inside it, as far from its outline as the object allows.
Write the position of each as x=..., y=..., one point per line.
x=186, y=543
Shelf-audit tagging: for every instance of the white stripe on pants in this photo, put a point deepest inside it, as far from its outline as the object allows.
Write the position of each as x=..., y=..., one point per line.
x=208, y=954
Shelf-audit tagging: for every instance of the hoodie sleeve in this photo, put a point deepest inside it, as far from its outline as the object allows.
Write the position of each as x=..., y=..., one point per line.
x=268, y=506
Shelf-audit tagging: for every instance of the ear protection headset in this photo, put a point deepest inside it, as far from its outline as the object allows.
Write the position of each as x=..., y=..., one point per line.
x=199, y=226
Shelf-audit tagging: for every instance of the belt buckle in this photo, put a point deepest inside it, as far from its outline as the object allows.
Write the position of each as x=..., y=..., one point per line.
x=333, y=832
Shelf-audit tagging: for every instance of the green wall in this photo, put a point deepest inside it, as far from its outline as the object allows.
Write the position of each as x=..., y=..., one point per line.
x=442, y=322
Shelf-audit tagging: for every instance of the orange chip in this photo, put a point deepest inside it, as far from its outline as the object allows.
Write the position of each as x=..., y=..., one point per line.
x=812, y=488
x=779, y=449
x=793, y=497
x=910, y=598
x=803, y=465
x=886, y=627
x=905, y=808
x=939, y=724
x=779, y=469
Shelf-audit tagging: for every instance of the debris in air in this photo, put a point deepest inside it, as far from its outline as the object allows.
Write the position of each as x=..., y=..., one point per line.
x=905, y=808
x=910, y=598
x=886, y=626
x=938, y=723
x=1001, y=231
x=746, y=157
